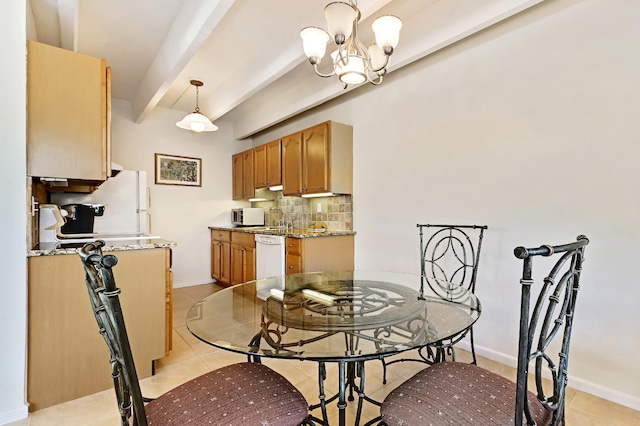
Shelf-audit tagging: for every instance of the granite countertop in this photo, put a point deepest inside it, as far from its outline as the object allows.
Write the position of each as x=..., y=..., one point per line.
x=56, y=248
x=295, y=232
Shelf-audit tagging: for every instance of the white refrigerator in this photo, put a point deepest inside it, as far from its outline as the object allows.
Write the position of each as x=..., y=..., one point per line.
x=126, y=200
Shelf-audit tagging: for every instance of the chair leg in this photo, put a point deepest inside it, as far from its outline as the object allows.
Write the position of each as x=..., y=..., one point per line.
x=473, y=348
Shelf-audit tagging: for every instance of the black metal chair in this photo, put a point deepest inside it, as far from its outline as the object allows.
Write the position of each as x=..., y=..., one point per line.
x=449, y=254
x=464, y=394
x=246, y=393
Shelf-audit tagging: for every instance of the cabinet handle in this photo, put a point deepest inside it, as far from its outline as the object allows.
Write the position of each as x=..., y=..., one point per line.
x=290, y=266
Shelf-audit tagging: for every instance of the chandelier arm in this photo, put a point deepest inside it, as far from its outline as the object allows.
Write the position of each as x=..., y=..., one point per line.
x=315, y=68
x=383, y=67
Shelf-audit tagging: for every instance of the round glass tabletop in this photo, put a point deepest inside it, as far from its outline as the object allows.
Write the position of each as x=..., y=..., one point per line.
x=333, y=315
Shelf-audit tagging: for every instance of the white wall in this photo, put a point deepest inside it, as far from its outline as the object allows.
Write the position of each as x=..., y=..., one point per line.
x=13, y=262
x=532, y=129
x=180, y=213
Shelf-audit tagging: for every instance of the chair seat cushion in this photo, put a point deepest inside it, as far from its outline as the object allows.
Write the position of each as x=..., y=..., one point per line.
x=242, y=394
x=453, y=393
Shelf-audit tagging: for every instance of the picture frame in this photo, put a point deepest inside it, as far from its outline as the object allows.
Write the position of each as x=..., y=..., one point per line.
x=178, y=170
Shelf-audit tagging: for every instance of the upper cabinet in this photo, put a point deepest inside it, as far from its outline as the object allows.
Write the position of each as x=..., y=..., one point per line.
x=267, y=164
x=242, y=169
x=69, y=114
x=318, y=160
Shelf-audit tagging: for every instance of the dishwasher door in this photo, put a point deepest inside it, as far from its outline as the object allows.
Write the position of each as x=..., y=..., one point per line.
x=270, y=257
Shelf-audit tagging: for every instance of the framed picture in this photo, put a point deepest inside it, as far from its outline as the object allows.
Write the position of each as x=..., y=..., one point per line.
x=178, y=170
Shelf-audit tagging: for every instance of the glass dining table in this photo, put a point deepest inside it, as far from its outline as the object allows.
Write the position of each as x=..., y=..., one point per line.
x=343, y=317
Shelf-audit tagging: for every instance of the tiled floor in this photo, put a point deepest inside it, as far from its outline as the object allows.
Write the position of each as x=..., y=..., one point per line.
x=190, y=358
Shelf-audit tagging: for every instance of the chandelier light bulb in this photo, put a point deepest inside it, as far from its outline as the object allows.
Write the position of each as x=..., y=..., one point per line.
x=340, y=17
x=314, y=42
x=387, y=30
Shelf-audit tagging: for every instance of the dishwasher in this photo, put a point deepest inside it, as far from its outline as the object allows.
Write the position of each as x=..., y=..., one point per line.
x=270, y=257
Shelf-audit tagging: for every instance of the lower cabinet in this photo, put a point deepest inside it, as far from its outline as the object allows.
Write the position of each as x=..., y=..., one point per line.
x=233, y=257
x=243, y=257
x=319, y=254
x=67, y=356
x=221, y=256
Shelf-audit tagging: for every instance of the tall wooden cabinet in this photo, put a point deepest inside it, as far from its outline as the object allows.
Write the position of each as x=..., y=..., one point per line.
x=267, y=164
x=67, y=356
x=318, y=160
x=68, y=114
x=243, y=182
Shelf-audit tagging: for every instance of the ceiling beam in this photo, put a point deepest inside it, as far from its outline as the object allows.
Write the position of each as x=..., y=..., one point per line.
x=424, y=32
x=192, y=27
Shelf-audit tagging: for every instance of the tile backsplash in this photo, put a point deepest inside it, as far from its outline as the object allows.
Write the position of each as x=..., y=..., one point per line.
x=336, y=211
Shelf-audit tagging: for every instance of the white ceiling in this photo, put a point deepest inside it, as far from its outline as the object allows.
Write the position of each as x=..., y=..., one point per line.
x=247, y=52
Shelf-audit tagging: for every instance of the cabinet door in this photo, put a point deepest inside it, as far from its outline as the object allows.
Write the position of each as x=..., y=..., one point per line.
x=260, y=179
x=248, y=188
x=67, y=114
x=294, y=264
x=292, y=164
x=216, y=259
x=274, y=163
x=238, y=184
x=225, y=262
x=315, y=159
x=237, y=264
x=249, y=266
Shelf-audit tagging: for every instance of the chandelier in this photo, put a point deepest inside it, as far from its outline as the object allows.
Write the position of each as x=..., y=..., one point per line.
x=197, y=121
x=353, y=63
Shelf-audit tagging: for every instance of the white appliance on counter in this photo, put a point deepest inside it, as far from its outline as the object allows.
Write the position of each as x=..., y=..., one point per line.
x=126, y=200
x=247, y=216
x=270, y=256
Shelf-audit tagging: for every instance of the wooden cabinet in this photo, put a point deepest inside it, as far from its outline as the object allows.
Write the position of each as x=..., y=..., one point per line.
x=319, y=254
x=243, y=257
x=67, y=356
x=221, y=256
x=318, y=160
x=69, y=114
x=243, y=182
x=233, y=257
x=267, y=164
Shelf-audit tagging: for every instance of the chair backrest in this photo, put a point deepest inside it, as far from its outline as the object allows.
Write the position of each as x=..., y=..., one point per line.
x=552, y=317
x=105, y=302
x=449, y=254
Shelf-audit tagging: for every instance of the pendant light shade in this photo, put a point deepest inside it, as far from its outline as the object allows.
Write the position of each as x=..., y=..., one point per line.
x=196, y=121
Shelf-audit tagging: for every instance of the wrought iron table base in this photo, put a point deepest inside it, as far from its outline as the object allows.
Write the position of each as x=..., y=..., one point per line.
x=348, y=373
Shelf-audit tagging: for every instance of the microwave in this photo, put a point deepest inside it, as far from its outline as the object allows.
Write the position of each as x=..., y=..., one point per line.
x=247, y=216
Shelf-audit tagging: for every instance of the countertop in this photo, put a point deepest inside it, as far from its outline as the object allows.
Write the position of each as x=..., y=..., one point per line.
x=295, y=232
x=52, y=249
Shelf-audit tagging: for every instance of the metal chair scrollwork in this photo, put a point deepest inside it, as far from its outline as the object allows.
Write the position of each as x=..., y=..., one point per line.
x=246, y=393
x=449, y=257
x=459, y=393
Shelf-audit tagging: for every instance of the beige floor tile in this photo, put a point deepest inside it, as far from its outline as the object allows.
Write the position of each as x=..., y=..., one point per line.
x=615, y=414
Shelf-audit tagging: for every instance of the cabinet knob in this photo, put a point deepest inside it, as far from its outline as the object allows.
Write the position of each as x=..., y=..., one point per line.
x=290, y=266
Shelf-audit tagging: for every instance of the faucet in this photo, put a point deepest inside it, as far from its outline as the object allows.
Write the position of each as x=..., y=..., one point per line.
x=280, y=223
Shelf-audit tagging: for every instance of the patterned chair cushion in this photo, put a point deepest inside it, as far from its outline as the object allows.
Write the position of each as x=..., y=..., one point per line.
x=242, y=394
x=452, y=393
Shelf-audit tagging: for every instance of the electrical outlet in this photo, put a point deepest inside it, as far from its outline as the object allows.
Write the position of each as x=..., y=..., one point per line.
x=319, y=208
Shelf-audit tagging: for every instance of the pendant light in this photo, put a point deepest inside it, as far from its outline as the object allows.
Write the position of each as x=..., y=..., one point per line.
x=196, y=121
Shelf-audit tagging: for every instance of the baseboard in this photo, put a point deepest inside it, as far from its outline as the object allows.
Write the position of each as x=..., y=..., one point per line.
x=192, y=283
x=600, y=391
x=14, y=415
